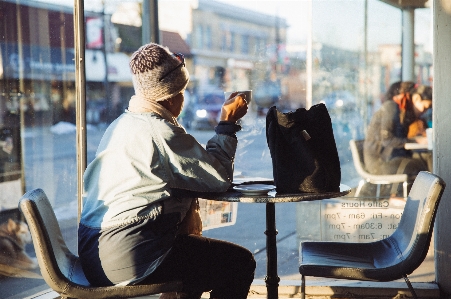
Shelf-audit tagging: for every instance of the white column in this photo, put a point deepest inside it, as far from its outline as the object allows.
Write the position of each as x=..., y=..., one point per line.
x=408, y=44
x=442, y=140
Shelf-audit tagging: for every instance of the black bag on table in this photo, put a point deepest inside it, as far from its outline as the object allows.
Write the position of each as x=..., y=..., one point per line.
x=303, y=150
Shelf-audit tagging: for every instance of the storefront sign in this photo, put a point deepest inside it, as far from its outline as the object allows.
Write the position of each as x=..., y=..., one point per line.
x=36, y=62
x=242, y=64
x=94, y=38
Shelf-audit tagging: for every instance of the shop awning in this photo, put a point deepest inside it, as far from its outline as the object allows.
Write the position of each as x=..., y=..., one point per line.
x=36, y=62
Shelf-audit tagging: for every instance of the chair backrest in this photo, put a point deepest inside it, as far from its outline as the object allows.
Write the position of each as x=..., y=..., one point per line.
x=60, y=268
x=58, y=264
x=413, y=235
x=357, y=156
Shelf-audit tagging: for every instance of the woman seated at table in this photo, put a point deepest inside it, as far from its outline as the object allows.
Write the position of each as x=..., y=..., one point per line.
x=419, y=126
x=384, y=151
x=129, y=230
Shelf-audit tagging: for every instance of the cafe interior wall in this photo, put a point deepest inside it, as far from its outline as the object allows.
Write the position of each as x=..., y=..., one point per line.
x=442, y=139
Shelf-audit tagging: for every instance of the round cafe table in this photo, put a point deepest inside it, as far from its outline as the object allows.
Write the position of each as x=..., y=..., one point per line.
x=270, y=199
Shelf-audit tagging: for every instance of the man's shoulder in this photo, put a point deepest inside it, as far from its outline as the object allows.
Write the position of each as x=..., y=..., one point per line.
x=389, y=107
x=389, y=104
x=142, y=119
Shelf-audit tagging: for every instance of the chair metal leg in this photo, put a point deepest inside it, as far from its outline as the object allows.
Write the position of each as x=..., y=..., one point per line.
x=394, y=189
x=359, y=188
x=410, y=287
x=272, y=279
x=303, y=287
x=378, y=190
x=404, y=188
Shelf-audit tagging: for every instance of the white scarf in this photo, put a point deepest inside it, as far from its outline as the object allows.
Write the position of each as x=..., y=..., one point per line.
x=139, y=104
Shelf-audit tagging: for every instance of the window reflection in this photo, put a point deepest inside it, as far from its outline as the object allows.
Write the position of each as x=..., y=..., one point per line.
x=37, y=131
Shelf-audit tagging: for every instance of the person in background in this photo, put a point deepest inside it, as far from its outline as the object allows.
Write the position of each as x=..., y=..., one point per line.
x=397, y=88
x=388, y=132
x=418, y=127
x=137, y=190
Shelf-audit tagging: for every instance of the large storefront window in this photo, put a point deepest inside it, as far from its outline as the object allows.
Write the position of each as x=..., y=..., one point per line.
x=291, y=54
x=37, y=116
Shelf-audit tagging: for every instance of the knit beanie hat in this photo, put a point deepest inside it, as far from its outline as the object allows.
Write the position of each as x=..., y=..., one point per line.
x=156, y=73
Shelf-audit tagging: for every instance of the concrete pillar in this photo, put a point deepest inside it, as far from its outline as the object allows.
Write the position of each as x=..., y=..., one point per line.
x=408, y=44
x=150, y=27
x=442, y=139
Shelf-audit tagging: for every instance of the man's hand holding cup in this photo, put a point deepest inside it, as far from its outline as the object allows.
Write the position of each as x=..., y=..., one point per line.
x=234, y=108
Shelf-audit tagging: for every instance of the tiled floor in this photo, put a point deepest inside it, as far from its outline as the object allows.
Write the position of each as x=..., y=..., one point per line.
x=320, y=289
x=290, y=285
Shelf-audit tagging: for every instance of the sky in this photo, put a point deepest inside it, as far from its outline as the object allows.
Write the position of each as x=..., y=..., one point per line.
x=339, y=23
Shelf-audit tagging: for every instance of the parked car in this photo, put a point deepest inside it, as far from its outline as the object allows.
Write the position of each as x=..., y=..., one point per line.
x=204, y=112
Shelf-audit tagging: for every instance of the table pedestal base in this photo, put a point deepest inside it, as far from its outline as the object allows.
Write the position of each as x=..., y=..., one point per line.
x=272, y=279
x=270, y=199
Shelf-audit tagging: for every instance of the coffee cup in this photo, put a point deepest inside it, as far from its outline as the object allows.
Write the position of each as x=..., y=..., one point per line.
x=247, y=94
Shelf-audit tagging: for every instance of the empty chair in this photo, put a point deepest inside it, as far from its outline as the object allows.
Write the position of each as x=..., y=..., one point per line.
x=385, y=260
x=61, y=268
x=357, y=157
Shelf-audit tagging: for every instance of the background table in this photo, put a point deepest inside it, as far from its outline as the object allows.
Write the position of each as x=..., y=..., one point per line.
x=270, y=199
x=416, y=146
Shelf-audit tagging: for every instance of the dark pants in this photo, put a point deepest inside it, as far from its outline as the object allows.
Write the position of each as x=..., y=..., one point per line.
x=420, y=161
x=204, y=264
x=408, y=165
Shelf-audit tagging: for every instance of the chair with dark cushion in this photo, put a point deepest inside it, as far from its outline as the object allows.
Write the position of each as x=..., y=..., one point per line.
x=61, y=268
x=385, y=260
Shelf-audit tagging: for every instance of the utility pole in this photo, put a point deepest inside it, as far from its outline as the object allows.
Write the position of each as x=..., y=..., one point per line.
x=104, y=51
x=80, y=97
x=365, y=107
x=408, y=44
x=21, y=95
x=309, y=59
x=277, y=65
x=150, y=28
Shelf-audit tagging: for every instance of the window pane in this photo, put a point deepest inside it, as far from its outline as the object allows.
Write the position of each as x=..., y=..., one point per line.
x=255, y=54
x=37, y=122
x=354, y=61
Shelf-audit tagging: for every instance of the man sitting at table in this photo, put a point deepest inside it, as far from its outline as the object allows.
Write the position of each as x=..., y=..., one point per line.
x=384, y=146
x=129, y=227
